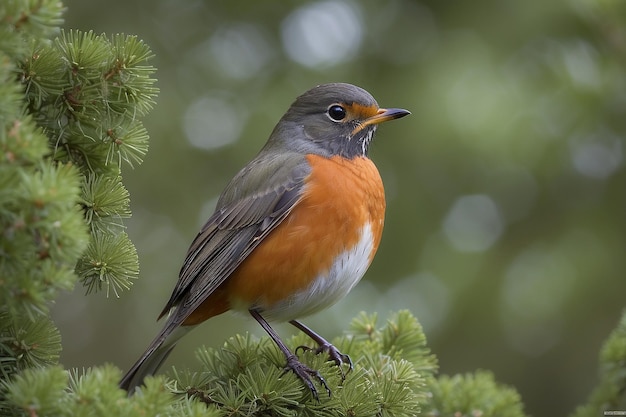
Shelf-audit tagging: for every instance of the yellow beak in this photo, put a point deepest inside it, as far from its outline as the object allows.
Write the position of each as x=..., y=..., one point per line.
x=383, y=115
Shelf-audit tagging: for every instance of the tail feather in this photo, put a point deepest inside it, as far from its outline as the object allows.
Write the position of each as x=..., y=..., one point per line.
x=153, y=357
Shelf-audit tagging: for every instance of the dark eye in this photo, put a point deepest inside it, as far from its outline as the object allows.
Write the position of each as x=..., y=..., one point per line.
x=336, y=112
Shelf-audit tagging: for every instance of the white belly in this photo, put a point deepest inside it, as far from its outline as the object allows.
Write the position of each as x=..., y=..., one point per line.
x=347, y=270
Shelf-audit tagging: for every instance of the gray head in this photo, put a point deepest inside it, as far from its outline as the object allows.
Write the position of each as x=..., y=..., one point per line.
x=332, y=119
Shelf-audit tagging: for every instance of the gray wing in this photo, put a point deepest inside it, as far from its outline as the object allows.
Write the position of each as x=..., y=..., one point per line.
x=256, y=201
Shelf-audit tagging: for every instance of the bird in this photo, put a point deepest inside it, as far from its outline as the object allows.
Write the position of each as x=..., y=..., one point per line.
x=292, y=233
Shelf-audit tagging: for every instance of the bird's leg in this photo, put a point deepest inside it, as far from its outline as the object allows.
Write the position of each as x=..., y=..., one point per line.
x=324, y=346
x=293, y=364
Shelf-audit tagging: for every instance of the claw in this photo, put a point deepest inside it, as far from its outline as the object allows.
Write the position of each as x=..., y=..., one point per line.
x=324, y=346
x=305, y=348
x=293, y=364
x=333, y=353
x=305, y=373
x=337, y=357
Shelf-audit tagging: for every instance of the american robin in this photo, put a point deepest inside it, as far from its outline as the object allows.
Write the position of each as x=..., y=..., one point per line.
x=293, y=231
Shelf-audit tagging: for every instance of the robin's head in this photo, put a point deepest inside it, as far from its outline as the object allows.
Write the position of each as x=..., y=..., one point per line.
x=333, y=119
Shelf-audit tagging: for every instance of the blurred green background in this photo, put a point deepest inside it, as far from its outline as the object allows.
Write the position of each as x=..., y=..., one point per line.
x=506, y=221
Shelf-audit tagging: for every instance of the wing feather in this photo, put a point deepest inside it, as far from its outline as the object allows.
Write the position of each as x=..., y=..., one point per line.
x=243, y=218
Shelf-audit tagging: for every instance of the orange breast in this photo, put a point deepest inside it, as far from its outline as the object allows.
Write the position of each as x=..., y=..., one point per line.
x=341, y=196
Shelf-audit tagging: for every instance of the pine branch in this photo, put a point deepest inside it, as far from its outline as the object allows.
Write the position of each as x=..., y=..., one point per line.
x=247, y=373
x=476, y=394
x=110, y=261
x=70, y=111
x=246, y=377
x=610, y=394
x=88, y=93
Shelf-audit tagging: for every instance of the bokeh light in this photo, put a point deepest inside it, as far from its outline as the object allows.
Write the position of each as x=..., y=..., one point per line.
x=213, y=121
x=323, y=33
x=473, y=223
x=599, y=156
x=240, y=51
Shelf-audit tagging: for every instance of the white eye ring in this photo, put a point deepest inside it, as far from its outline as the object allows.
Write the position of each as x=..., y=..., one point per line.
x=336, y=113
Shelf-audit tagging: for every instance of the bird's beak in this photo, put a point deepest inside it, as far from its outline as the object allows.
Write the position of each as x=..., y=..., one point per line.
x=386, y=114
x=381, y=116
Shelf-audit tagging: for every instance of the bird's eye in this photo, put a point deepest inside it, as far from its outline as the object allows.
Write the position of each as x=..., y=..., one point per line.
x=336, y=112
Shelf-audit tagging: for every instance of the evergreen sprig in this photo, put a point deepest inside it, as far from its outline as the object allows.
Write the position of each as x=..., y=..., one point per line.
x=26, y=344
x=38, y=392
x=70, y=117
x=88, y=93
x=110, y=262
x=44, y=233
x=610, y=393
x=105, y=202
x=247, y=374
x=473, y=395
x=22, y=21
x=53, y=391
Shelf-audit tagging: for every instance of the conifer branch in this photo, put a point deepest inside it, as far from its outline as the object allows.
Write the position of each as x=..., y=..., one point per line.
x=70, y=118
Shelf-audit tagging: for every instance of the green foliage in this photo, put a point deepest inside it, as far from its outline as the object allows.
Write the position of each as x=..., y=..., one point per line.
x=473, y=395
x=22, y=21
x=39, y=392
x=44, y=233
x=85, y=94
x=88, y=93
x=105, y=202
x=110, y=261
x=28, y=343
x=401, y=337
x=391, y=375
x=610, y=394
x=55, y=392
x=70, y=111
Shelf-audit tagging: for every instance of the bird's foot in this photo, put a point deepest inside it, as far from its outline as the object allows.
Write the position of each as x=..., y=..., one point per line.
x=306, y=374
x=333, y=353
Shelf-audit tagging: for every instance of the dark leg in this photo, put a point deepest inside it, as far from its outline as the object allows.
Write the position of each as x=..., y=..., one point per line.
x=293, y=364
x=324, y=346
